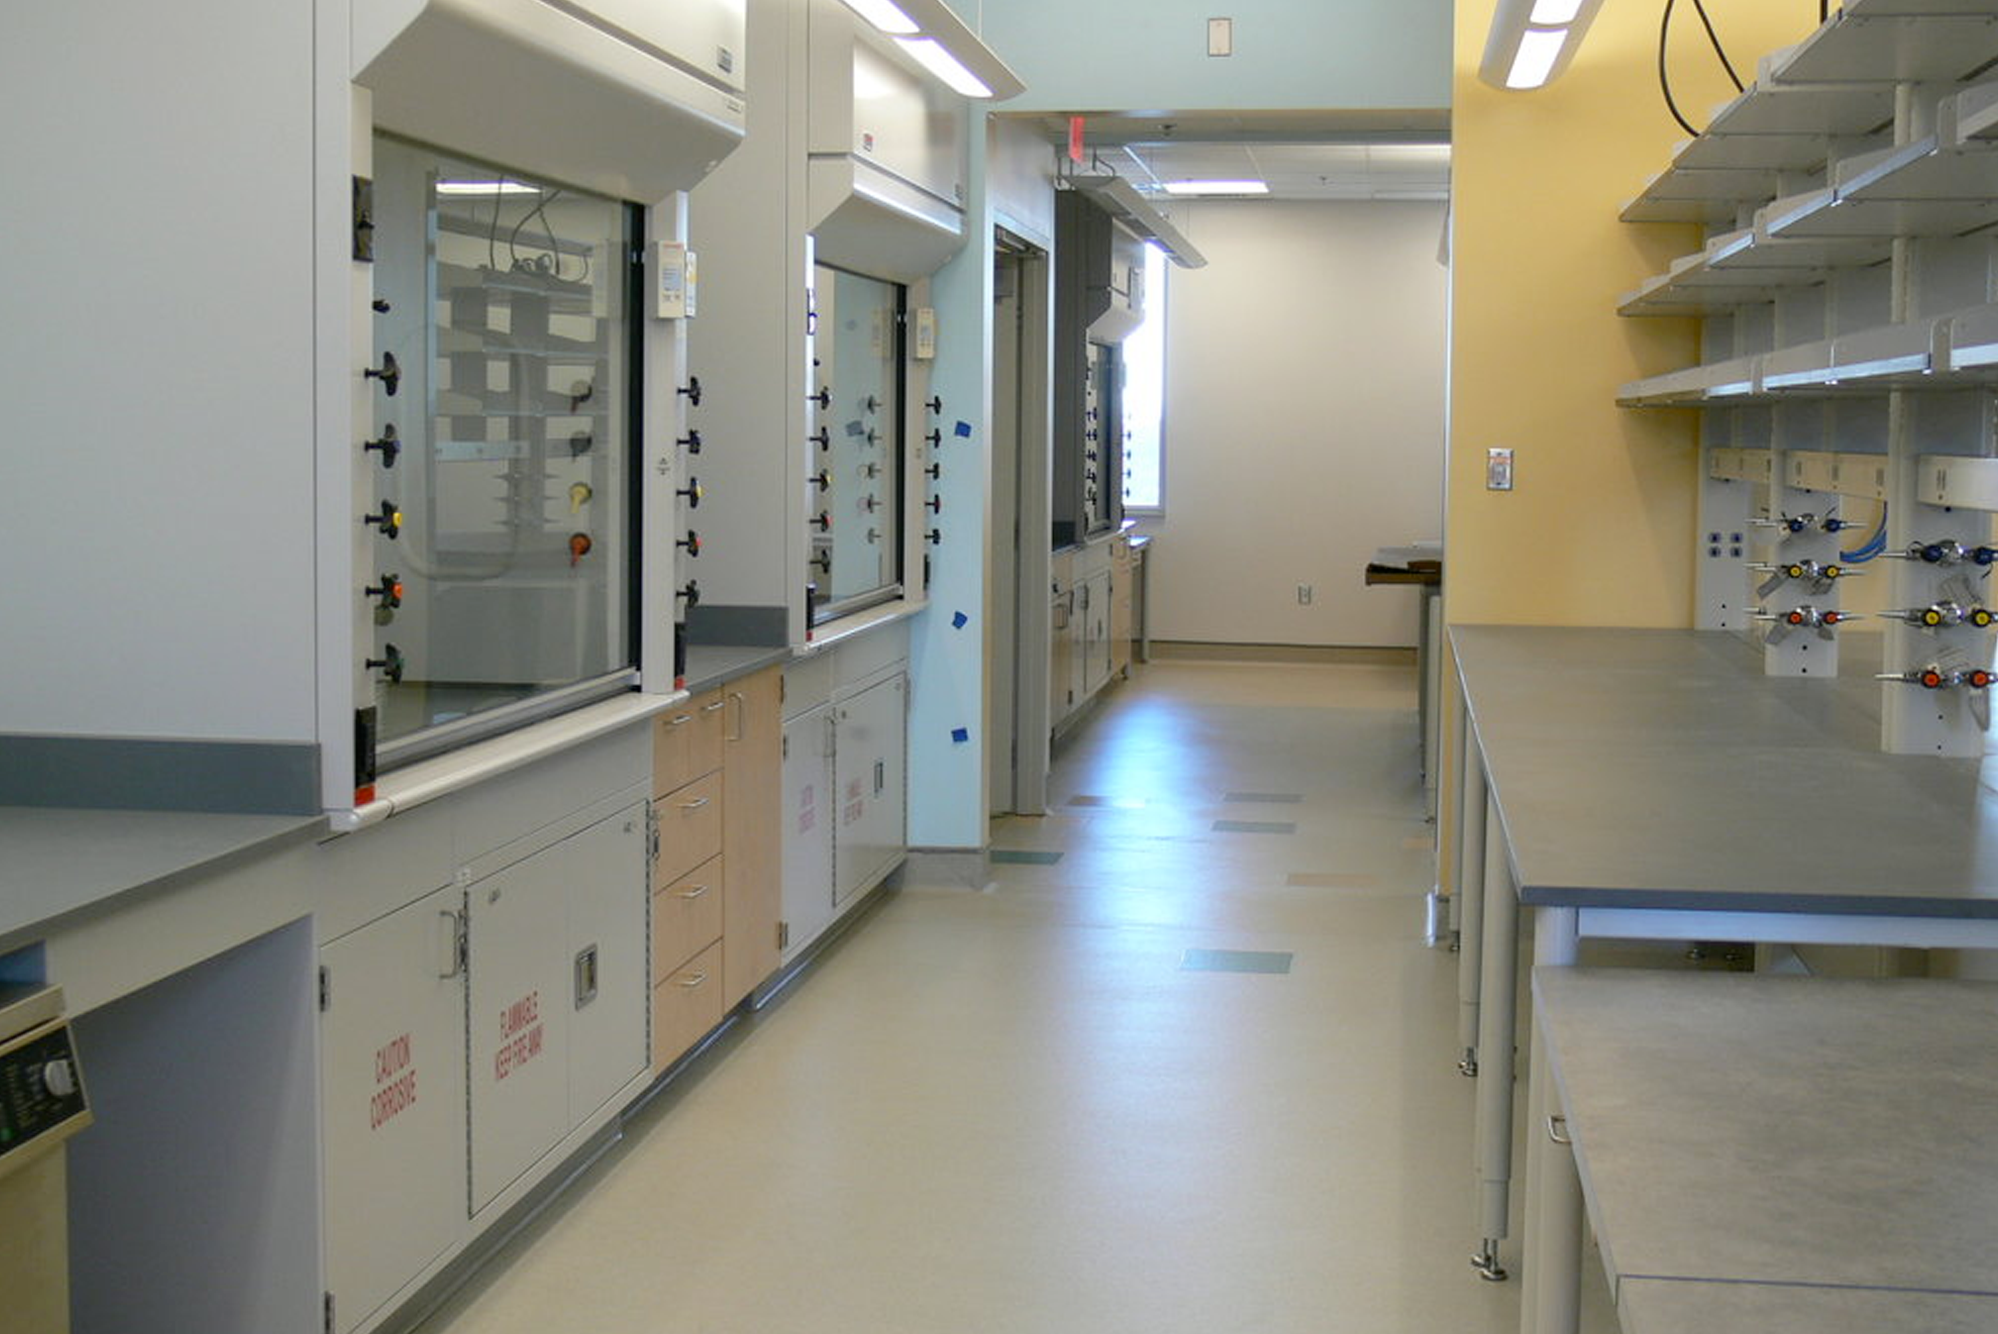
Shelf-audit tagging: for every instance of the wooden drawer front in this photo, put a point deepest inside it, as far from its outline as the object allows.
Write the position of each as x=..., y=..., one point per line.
x=690, y=828
x=686, y=918
x=687, y=742
x=686, y=1005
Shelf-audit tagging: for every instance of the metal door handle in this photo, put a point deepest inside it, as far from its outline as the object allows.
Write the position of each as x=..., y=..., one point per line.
x=1557, y=1128
x=586, y=976
x=456, y=960
x=696, y=892
x=691, y=981
x=710, y=708
x=741, y=716
x=680, y=719
x=695, y=804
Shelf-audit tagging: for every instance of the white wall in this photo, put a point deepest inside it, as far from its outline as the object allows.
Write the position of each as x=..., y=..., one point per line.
x=1304, y=421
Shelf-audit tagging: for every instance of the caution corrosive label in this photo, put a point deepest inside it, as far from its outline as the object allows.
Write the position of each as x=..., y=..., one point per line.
x=395, y=1082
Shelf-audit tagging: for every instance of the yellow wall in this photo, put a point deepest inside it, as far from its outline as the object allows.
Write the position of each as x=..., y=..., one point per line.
x=1599, y=528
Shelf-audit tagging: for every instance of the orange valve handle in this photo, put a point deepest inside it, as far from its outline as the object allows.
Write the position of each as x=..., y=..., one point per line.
x=1977, y=678
x=692, y=543
x=1930, y=679
x=579, y=547
x=389, y=590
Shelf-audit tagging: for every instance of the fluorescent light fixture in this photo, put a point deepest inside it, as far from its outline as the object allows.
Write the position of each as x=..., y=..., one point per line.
x=1532, y=41
x=1119, y=198
x=885, y=16
x=486, y=188
x=1217, y=188
x=931, y=55
x=933, y=34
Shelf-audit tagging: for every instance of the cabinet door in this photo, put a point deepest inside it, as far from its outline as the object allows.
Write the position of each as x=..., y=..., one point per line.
x=1096, y=634
x=807, y=810
x=752, y=807
x=520, y=997
x=868, y=767
x=604, y=871
x=392, y=1064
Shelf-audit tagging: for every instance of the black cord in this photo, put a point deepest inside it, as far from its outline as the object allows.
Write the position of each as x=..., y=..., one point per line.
x=1664, y=79
x=492, y=235
x=1714, y=37
x=541, y=208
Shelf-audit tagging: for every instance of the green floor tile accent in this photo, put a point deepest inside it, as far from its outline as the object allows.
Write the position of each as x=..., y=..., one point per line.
x=1265, y=798
x=1254, y=827
x=1009, y=857
x=1235, y=961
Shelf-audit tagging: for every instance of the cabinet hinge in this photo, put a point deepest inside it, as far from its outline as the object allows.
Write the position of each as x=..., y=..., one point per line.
x=328, y=1313
x=325, y=988
x=783, y=935
x=787, y=748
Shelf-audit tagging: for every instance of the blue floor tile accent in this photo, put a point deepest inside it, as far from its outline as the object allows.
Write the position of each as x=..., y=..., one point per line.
x=1235, y=961
x=1009, y=857
x=1254, y=827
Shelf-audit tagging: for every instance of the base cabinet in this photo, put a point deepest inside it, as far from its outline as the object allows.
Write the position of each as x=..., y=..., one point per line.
x=392, y=1046
x=870, y=746
x=808, y=813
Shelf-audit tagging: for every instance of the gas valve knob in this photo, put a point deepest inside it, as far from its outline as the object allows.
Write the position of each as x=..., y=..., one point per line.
x=935, y=404
x=822, y=438
x=388, y=519
x=935, y=470
x=390, y=663
x=935, y=438
x=870, y=502
x=692, y=542
x=1947, y=552
x=822, y=562
x=1789, y=523
x=693, y=491
x=1799, y=618
x=389, y=590
x=389, y=446
x=822, y=521
x=1933, y=677
x=934, y=504
x=822, y=479
x=871, y=403
x=691, y=594
x=935, y=536
x=389, y=373
x=692, y=390
x=692, y=440
x=823, y=398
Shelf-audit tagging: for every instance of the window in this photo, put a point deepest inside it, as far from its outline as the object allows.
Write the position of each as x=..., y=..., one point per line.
x=501, y=539
x=1144, y=394
x=856, y=479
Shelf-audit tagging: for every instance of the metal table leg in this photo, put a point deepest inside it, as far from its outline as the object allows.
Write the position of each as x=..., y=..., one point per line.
x=1470, y=895
x=1496, y=1011
x=1552, y=1247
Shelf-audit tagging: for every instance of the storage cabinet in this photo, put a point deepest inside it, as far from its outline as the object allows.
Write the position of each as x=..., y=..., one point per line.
x=870, y=734
x=555, y=959
x=714, y=862
x=808, y=827
x=1123, y=606
x=392, y=1062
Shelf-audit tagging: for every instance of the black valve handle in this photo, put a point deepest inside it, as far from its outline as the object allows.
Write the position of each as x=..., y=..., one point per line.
x=693, y=492
x=935, y=404
x=935, y=536
x=822, y=438
x=823, y=398
x=391, y=663
x=935, y=437
x=390, y=445
x=935, y=470
x=934, y=504
x=692, y=440
x=691, y=594
x=823, y=520
x=822, y=479
x=388, y=519
x=389, y=373
x=389, y=590
x=380, y=305
x=692, y=543
x=692, y=389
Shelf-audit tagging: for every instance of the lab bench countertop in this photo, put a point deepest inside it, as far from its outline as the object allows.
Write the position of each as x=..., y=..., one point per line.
x=56, y=861
x=711, y=665
x=1660, y=769
x=1820, y=1133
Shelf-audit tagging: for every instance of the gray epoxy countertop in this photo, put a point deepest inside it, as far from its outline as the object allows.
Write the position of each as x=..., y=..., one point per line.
x=1653, y=1306
x=1767, y=1129
x=1662, y=769
x=710, y=665
x=57, y=860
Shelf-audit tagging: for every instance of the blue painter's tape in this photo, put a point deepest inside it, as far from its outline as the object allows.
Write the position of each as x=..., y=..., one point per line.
x=964, y=430
x=855, y=428
x=959, y=620
x=960, y=734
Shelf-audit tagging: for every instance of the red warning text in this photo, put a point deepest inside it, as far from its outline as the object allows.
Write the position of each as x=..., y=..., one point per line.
x=520, y=1035
x=395, y=1083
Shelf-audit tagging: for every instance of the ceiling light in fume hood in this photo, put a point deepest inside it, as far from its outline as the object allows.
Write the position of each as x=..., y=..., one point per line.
x=1217, y=187
x=930, y=54
x=486, y=188
x=885, y=15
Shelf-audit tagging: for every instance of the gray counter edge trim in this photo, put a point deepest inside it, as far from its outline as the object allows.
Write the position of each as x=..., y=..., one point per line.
x=133, y=773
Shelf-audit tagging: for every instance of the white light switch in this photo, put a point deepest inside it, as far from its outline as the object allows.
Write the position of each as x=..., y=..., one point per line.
x=1498, y=470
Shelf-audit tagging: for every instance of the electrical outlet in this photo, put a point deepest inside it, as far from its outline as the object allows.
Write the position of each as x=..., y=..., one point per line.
x=1304, y=595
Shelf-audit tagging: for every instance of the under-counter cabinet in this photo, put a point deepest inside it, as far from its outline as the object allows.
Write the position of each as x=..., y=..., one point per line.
x=714, y=867
x=870, y=741
x=513, y=997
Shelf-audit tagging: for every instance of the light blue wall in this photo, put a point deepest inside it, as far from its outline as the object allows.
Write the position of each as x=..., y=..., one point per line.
x=1111, y=55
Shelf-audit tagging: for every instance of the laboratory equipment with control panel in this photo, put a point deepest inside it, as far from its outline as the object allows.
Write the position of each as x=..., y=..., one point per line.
x=42, y=1104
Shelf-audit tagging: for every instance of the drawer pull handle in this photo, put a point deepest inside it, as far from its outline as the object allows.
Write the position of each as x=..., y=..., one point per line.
x=692, y=980
x=680, y=720
x=1557, y=1129
x=694, y=892
x=695, y=804
x=710, y=708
